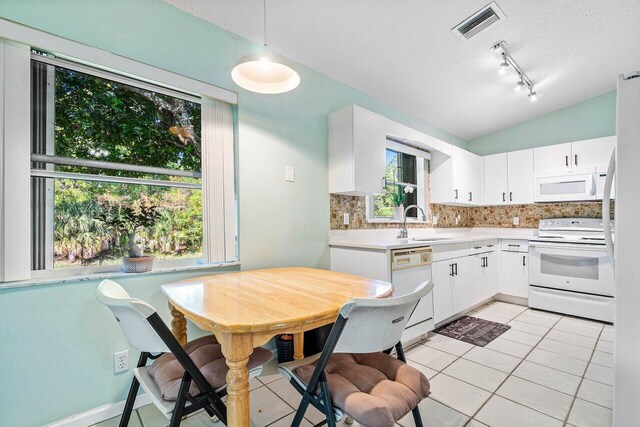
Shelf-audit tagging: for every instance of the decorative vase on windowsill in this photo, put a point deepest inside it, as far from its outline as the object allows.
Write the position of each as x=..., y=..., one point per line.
x=399, y=197
x=398, y=211
x=136, y=262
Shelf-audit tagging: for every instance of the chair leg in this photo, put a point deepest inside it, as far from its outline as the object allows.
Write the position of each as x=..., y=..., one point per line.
x=328, y=407
x=128, y=406
x=176, y=417
x=417, y=418
x=302, y=409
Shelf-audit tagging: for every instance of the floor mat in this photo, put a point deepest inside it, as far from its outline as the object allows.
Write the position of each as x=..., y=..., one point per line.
x=473, y=330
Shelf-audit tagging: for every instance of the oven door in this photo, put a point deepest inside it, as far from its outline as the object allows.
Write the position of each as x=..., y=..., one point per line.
x=565, y=188
x=572, y=267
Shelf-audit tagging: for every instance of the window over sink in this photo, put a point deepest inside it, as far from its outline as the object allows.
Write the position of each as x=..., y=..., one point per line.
x=405, y=185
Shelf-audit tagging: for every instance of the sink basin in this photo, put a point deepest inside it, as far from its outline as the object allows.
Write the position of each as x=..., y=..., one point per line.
x=431, y=239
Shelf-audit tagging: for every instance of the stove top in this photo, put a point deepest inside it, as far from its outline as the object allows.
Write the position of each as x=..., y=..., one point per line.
x=571, y=230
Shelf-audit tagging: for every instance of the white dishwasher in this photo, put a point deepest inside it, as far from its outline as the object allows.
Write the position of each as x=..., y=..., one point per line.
x=410, y=268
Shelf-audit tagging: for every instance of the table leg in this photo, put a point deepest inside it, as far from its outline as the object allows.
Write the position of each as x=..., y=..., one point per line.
x=236, y=349
x=178, y=325
x=298, y=346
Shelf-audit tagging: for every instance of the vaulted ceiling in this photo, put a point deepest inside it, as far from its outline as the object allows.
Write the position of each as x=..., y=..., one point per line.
x=405, y=54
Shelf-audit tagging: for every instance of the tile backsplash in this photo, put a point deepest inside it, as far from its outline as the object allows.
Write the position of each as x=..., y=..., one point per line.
x=484, y=216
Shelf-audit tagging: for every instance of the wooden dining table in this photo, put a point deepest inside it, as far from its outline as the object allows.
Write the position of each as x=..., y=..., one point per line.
x=246, y=309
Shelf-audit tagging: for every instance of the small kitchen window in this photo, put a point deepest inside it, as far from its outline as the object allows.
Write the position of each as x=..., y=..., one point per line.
x=405, y=184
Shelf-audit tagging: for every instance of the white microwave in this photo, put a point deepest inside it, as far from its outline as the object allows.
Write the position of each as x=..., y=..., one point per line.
x=565, y=188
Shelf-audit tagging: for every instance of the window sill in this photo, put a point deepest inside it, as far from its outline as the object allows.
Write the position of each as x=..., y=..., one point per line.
x=113, y=274
x=395, y=221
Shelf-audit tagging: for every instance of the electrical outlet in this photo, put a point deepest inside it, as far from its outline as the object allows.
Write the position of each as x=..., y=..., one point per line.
x=516, y=220
x=289, y=173
x=121, y=361
x=345, y=218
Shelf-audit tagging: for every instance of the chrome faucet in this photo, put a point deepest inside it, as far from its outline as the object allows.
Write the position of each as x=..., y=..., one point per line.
x=404, y=233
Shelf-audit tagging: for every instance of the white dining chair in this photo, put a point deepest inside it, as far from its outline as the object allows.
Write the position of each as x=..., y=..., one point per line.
x=181, y=380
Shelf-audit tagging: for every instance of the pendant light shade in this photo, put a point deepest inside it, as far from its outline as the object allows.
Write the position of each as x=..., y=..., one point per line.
x=262, y=73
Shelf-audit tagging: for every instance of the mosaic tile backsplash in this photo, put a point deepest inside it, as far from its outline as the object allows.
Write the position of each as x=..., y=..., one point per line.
x=484, y=216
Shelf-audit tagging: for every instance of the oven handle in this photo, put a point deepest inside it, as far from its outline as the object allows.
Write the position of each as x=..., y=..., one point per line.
x=560, y=248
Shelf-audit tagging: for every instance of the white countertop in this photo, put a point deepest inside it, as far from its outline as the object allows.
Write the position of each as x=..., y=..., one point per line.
x=385, y=239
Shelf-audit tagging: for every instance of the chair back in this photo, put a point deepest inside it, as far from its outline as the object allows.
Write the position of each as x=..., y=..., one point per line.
x=373, y=325
x=132, y=315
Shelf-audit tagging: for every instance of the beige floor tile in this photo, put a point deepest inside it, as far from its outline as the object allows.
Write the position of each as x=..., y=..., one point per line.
x=587, y=414
x=605, y=346
x=566, y=349
x=428, y=372
x=594, y=324
x=200, y=419
x=134, y=421
x=509, y=347
x=267, y=407
x=286, y=392
x=599, y=373
x=448, y=345
x=534, y=396
x=479, y=375
x=608, y=327
x=538, y=318
x=558, y=361
x=493, y=359
x=492, y=317
x=458, y=395
x=595, y=392
x=475, y=423
x=572, y=338
x=521, y=337
x=434, y=413
x=152, y=417
x=430, y=357
x=576, y=327
x=602, y=358
x=500, y=412
x=548, y=377
x=266, y=379
x=504, y=309
x=286, y=422
x=529, y=328
x=606, y=336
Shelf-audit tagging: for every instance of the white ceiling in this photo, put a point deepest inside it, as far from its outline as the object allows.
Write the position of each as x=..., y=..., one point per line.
x=404, y=53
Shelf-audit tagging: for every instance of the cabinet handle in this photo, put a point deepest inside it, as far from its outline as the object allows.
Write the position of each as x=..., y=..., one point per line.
x=456, y=269
x=576, y=159
x=451, y=267
x=470, y=196
x=504, y=195
x=483, y=262
x=514, y=246
x=489, y=246
x=524, y=260
x=511, y=196
x=384, y=183
x=566, y=160
x=456, y=196
x=486, y=261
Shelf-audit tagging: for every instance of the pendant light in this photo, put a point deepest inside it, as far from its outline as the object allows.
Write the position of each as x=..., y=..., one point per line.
x=264, y=72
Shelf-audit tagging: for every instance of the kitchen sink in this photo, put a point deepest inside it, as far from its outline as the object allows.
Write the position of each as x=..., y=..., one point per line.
x=431, y=239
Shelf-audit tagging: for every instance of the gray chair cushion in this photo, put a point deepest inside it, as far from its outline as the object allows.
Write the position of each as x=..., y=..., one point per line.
x=376, y=389
x=205, y=352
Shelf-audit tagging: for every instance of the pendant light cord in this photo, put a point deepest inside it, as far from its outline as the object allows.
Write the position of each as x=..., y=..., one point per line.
x=264, y=15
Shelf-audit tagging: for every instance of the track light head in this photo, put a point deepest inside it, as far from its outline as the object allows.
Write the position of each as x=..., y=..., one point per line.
x=533, y=97
x=519, y=85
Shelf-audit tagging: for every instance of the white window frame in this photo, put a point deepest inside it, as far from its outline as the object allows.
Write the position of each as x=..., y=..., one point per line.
x=421, y=178
x=218, y=147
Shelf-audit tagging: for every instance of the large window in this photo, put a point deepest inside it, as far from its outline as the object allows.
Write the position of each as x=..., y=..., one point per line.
x=405, y=186
x=103, y=152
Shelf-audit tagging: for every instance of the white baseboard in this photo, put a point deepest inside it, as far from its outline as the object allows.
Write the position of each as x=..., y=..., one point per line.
x=99, y=414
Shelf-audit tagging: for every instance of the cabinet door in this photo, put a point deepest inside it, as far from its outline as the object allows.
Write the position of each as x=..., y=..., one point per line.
x=495, y=179
x=369, y=151
x=464, y=283
x=520, y=177
x=515, y=274
x=461, y=175
x=476, y=278
x=475, y=180
x=442, y=298
x=554, y=158
x=593, y=152
x=491, y=275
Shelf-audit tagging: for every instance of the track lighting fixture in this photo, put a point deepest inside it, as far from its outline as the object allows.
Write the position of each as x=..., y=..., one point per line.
x=506, y=61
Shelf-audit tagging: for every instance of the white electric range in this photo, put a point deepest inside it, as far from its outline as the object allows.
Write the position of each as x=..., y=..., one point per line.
x=569, y=269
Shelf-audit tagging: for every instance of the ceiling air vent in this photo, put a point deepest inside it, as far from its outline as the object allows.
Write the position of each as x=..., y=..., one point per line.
x=482, y=19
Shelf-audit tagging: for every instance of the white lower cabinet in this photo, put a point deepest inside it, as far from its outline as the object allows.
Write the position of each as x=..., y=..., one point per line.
x=464, y=284
x=441, y=276
x=515, y=274
x=491, y=274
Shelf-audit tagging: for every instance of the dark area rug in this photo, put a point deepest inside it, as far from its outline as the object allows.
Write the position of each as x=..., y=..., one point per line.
x=472, y=330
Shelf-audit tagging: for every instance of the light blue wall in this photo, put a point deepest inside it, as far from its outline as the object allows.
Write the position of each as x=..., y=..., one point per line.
x=56, y=343
x=593, y=118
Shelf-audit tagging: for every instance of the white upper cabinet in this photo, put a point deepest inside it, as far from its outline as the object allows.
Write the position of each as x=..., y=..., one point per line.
x=593, y=152
x=495, y=179
x=520, y=177
x=508, y=178
x=357, y=142
x=552, y=159
x=456, y=179
x=573, y=157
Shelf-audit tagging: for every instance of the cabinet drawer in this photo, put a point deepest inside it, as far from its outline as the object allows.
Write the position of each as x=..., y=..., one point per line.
x=449, y=251
x=515, y=245
x=482, y=246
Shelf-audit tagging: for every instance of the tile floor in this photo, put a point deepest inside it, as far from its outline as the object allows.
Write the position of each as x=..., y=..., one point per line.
x=547, y=370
